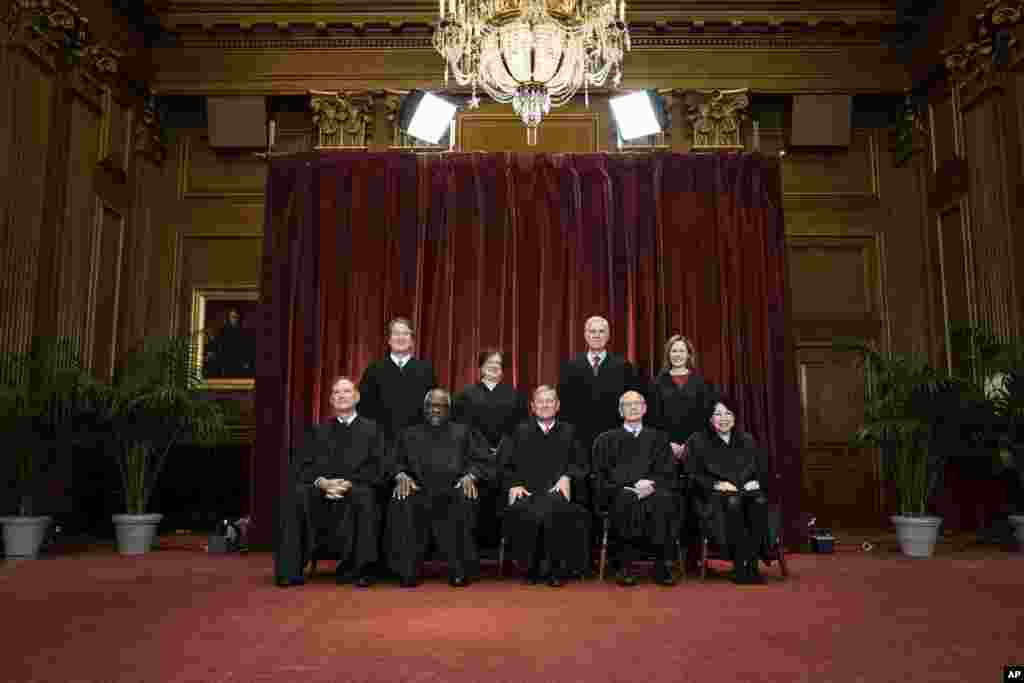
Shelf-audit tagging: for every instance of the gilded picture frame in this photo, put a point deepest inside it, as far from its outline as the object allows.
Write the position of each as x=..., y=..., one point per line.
x=223, y=319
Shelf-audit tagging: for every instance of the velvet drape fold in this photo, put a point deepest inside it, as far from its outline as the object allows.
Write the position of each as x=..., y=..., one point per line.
x=516, y=251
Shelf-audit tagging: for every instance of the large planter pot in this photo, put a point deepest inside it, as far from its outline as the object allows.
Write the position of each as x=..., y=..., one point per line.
x=23, y=536
x=916, y=534
x=135, y=533
x=1018, y=530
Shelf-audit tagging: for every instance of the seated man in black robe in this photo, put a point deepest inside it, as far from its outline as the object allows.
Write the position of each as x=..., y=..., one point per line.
x=436, y=467
x=541, y=462
x=335, y=469
x=635, y=486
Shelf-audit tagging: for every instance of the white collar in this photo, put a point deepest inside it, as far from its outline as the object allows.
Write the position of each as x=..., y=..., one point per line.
x=600, y=355
x=544, y=429
x=348, y=421
x=401, y=360
x=633, y=430
x=487, y=383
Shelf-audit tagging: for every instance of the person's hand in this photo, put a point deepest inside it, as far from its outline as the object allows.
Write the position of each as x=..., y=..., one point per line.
x=752, y=485
x=726, y=487
x=404, y=486
x=517, y=492
x=563, y=486
x=678, y=451
x=340, y=489
x=468, y=485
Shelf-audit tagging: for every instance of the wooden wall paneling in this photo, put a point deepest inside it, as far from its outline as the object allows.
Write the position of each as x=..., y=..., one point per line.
x=850, y=174
x=216, y=260
x=1015, y=179
x=841, y=484
x=24, y=156
x=559, y=132
x=77, y=234
x=989, y=261
x=105, y=292
x=957, y=288
x=208, y=173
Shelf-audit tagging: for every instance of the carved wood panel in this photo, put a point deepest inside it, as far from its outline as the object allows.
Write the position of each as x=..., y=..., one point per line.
x=558, y=133
x=841, y=483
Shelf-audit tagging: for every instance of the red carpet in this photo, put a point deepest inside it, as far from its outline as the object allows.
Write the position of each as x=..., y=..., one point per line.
x=180, y=615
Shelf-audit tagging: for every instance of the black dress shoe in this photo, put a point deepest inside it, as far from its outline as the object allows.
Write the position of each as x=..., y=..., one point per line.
x=663, y=575
x=556, y=581
x=531, y=579
x=287, y=582
x=408, y=582
x=458, y=581
x=754, y=573
x=364, y=581
x=741, y=574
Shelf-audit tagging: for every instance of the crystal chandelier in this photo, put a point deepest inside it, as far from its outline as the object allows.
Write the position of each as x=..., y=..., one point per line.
x=533, y=53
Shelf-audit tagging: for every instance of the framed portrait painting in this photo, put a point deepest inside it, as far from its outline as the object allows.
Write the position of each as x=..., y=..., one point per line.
x=223, y=325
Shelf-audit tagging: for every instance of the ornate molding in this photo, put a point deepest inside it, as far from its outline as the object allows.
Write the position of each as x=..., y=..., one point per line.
x=994, y=45
x=56, y=29
x=148, y=135
x=342, y=119
x=716, y=117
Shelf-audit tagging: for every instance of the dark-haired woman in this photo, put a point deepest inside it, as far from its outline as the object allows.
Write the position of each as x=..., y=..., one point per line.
x=730, y=471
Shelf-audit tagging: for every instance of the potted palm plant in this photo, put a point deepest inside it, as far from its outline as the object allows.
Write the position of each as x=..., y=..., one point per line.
x=906, y=411
x=46, y=401
x=153, y=405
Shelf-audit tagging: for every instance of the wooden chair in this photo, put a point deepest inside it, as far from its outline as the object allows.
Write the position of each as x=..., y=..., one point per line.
x=775, y=552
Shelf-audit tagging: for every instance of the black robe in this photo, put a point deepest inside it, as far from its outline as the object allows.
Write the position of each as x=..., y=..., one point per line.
x=494, y=413
x=349, y=526
x=544, y=525
x=393, y=397
x=681, y=410
x=591, y=402
x=620, y=459
x=738, y=523
x=436, y=458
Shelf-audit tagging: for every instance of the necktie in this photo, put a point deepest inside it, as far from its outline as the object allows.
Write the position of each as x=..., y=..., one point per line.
x=595, y=362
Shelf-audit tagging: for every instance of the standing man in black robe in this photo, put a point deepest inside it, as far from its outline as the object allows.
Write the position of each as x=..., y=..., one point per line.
x=636, y=487
x=541, y=463
x=392, y=388
x=436, y=467
x=336, y=469
x=493, y=408
x=591, y=383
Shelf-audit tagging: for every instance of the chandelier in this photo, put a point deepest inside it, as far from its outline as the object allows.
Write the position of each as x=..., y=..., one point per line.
x=535, y=54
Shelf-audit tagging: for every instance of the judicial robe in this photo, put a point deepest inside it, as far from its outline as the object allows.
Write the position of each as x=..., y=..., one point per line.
x=544, y=525
x=494, y=413
x=620, y=459
x=348, y=526
x=393, y=396
x=737, y=523
x=681, y=410
x=436, y=458
x=591, y=402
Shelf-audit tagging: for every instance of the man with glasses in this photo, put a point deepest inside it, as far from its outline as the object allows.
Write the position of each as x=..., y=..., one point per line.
x=635, y=480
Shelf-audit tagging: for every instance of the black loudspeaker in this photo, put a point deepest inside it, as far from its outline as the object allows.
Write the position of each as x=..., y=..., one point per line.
x=821, y=121
x=237, y=121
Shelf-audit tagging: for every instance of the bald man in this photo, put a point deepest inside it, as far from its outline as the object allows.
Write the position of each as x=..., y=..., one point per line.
x=635, y=482
x=437, y=467
x=335, y=469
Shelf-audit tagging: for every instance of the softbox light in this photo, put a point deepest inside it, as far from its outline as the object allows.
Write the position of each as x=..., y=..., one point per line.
x=425, y=116
x=636, y=115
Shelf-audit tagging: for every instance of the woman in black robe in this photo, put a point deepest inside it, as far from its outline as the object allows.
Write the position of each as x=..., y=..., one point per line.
x=681, y=399
x=494, y=409
x=730, y=471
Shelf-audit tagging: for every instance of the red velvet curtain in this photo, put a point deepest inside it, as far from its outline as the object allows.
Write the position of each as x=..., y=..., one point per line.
x=516, y=251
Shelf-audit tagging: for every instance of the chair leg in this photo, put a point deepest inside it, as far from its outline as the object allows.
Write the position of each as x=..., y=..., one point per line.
x=704, y=558
x=501, y=558
x=604, y=551
x=680, y=562
x=782, y=558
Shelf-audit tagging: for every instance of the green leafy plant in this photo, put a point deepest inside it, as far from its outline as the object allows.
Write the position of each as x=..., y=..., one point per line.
x=910, y=411
x=153, y=405
x=49, y=403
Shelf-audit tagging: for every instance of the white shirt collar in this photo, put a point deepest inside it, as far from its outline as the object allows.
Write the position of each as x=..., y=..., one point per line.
x=634, y=430
x=600, y=356
x=401, y=360
x=549, y=427
x=489, y=384
x=348, y=420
